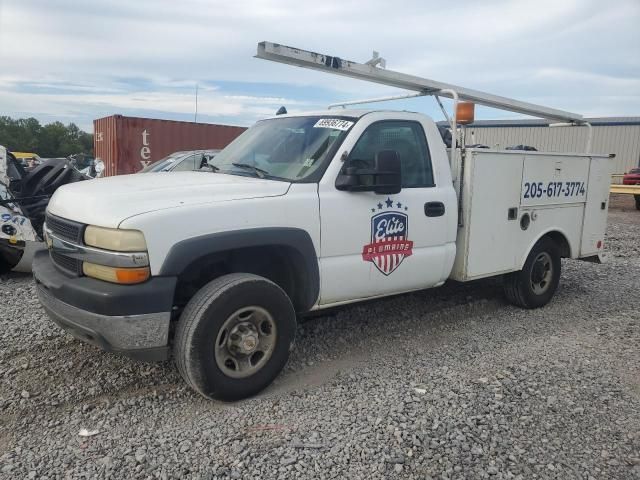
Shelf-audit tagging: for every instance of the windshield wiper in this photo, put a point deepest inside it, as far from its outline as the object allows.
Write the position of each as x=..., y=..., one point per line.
x=258, y=171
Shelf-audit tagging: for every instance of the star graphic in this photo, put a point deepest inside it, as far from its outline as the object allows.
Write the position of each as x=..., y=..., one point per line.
x=399, y=205
x=379, y=206
x=406, y=208
x=373, y=209
x=389, y=202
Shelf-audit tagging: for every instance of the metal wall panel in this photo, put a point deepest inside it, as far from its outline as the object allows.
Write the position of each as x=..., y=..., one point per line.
x=104, y=143
x=622, y=140
x=127, y=144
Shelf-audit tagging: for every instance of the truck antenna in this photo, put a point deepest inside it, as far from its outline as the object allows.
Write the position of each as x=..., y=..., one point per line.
x=195, y=117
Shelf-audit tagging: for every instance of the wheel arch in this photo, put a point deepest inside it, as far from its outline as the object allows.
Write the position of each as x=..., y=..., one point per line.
x=559, y=236
x=286, y=256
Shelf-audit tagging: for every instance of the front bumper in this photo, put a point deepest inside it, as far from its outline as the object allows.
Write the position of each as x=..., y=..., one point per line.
x=129, y=319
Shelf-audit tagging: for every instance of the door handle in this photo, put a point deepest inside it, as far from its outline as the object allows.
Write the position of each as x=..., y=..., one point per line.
x=434, y=209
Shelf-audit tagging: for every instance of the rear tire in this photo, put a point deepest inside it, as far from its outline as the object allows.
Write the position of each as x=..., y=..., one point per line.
x=537, y=282
x=234, y=336
x=637, y=199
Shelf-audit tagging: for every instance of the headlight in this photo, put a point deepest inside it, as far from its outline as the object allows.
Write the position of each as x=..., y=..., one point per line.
x=115, y=239
x=116, y=275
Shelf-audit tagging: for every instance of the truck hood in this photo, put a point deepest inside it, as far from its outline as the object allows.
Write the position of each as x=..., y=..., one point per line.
x=107, y=202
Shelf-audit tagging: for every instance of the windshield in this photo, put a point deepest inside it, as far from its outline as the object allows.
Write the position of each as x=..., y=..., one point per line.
x=163, y=163
x=291, y=148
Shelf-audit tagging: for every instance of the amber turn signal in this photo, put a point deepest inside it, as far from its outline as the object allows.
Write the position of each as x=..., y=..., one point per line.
x=125, y=276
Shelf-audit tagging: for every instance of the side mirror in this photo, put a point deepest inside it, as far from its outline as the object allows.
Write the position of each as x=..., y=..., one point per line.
x=384, y=178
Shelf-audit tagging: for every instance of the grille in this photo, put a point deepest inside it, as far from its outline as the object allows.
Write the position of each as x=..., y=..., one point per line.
x=69, y=264
x=65, y=229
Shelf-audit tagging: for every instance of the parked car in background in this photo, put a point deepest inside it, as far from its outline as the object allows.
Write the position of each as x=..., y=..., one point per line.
x=182, y=161
x=28, y=160
x=632, y=177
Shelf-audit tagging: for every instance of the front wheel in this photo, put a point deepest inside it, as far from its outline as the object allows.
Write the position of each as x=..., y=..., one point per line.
x=537, y=282
x=637, y=199
x=234, y=336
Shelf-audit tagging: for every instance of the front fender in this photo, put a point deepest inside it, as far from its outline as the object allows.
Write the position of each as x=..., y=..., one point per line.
x=190, y=250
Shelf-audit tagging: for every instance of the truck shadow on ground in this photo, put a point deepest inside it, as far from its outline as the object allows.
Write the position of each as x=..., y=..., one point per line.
x=339, y=340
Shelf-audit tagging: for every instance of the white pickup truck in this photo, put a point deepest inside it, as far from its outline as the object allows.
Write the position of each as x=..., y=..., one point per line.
x=300, y=213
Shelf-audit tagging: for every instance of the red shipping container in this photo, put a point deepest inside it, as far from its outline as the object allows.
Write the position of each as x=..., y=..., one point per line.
x=128, y=144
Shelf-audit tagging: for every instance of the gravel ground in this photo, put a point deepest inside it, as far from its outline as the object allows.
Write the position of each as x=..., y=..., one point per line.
x=450, y=383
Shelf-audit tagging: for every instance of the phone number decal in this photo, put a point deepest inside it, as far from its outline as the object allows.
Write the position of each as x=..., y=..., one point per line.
x=553, y=189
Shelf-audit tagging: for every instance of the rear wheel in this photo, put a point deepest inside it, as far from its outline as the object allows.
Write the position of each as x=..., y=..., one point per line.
x=537, y=282
x=234, y=336
x=637, y=198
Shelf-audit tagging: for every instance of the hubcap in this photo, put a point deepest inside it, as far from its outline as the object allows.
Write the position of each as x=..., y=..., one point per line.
x=245, y=342
x=541, y=273
x=243, y=338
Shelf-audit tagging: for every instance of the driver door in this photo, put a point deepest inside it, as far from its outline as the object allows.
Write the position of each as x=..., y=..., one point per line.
x=373, y=244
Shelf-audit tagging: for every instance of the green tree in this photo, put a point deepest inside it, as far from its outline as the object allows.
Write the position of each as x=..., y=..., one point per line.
x=51, y=140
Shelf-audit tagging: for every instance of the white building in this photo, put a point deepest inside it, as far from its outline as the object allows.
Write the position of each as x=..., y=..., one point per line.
x=617, y=135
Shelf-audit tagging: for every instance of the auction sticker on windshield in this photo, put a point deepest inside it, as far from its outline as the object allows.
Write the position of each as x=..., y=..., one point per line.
x=335, y=123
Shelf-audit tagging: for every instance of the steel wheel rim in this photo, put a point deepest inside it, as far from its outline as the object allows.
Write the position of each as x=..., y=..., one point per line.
x=245, y=342
x=541, y=273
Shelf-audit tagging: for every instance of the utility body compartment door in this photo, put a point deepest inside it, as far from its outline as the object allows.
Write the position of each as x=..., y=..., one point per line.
x=495, y=185
x=595, y=212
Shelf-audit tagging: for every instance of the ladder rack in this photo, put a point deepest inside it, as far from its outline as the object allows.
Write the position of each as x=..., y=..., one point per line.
x=424, y=86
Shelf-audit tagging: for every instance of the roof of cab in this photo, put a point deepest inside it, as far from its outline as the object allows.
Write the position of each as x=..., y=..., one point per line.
x=336, y=112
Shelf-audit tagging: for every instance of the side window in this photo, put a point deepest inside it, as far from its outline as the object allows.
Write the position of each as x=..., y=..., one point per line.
x=405, y=137
x=186, y=165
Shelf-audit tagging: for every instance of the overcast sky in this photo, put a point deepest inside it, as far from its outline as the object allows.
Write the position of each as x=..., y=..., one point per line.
x=74, y=61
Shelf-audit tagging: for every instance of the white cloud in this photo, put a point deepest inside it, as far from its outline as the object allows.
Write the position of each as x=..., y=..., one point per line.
x=242, y=109
x=571, y=53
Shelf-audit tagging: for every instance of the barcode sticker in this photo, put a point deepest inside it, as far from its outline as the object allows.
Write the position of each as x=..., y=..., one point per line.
x=335, y=123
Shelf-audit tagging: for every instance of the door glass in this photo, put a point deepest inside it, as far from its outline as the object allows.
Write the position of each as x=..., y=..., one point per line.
x=405, y=137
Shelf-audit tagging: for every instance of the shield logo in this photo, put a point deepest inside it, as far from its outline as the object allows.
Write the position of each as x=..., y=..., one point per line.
x=389, y=241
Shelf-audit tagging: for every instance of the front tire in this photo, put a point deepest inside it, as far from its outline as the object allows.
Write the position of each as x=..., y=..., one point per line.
x=234, y=336
x=537, y=282
x=637, y=199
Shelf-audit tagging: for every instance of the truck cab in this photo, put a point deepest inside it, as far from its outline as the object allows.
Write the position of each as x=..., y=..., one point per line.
x=300, y=213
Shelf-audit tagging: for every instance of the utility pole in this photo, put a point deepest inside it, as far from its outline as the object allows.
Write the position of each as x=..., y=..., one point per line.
x=195, y=117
